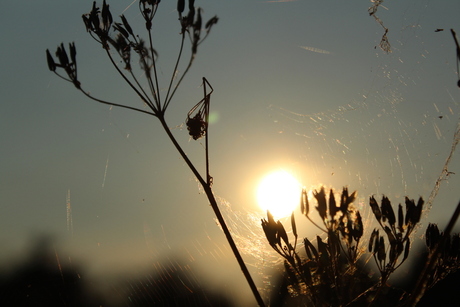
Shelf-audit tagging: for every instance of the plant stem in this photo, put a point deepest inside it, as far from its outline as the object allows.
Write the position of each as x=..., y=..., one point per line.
x=208, y=190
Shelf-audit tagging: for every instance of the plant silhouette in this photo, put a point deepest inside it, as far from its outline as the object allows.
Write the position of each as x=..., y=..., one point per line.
x=332, y=272
x=100, y=25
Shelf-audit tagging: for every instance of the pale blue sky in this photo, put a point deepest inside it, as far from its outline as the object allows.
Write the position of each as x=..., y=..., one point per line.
x=298, y=85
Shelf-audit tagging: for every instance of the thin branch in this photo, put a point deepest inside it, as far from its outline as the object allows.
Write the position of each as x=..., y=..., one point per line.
x=154, y=66
x=215, y=207
x=116, y=104
x=145, y=99
x=168, y=97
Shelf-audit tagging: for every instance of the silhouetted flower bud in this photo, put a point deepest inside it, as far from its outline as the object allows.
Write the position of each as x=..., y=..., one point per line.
x=73, y=53
x=180, y=6
x=87, y=22
x=126, y=24
x=191, y=4
x=106, y=16
x=62, y=56
x=211, y=22
x=197, y=24
x=120, y=29
x=50, y=60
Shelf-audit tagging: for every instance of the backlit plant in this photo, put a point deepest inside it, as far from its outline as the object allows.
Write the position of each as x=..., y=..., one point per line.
x=331, y=273
x=121, y=38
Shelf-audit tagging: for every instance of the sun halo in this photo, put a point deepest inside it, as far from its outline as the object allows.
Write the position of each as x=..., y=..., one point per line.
x=279, y=192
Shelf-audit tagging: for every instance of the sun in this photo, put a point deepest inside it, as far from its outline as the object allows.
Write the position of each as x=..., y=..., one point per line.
x=279, y=192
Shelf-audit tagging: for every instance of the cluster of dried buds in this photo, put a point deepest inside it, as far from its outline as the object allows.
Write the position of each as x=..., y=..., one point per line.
x=340, y=220
x=70, y=67
x=98, y=23
x=278, y=239
x=397, y=232
x=192, y=22
x=343, y=224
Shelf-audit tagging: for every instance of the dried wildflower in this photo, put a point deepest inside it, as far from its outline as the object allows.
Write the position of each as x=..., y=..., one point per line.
x=211, y=22
x=148, y=10
x=322, y=205
x=98, y=23
x=50, y=60
x=304, y=205
x=126, y=24
x=180, y=6
x=69, y=66
x=398, y=236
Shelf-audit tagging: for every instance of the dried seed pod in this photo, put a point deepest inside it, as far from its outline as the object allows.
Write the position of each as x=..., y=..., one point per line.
x=375, y=208
x=358, y=228
x=390, y=235
x=191, y=4
x=419, y=209
x=94, y=18
x=180, y=6
x=293, y=225
x=270, y=229
x=126, y=24
x=50, y=60
x=387, y=211
x=332, y=205
x=281, y=232
x=62, y=56
x=197, y=23
x=119, y=28
x=373, y=240
x=381, y=254
x=73, y=53
x=410, y=208
x=211, y=22
x=400, y=218
x=106, y=16
x=322, y=206
x=304, y=205
x=310, y=249
x=87, y=23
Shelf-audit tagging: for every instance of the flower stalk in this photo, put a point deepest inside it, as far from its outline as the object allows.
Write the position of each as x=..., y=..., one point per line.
x=100, y=25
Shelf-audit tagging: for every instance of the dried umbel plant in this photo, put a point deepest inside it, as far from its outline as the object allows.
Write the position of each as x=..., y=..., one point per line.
x=121, y=37
x=397, y=232
x=327, y=276
x=329, y=273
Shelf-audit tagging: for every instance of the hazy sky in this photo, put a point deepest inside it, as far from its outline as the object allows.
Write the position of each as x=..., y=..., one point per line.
x=298, y=85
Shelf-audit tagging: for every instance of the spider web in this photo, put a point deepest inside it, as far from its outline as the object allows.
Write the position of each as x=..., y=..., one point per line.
x=390, y=138
x=396, y=135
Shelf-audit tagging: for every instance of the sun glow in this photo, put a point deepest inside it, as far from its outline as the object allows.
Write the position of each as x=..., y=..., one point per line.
x=279, y=192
